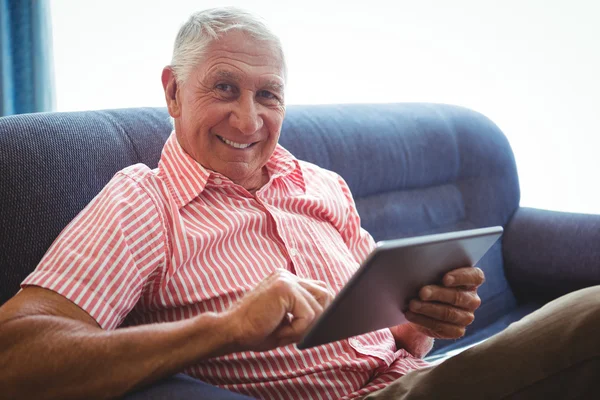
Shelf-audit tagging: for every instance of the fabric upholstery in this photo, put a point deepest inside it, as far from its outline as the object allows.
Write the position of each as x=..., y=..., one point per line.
x=548, y=254
x=181, y=387
x=413, y=168
x=52, y=165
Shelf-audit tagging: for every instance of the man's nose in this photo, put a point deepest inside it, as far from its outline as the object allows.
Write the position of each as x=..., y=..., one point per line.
x=245, y=116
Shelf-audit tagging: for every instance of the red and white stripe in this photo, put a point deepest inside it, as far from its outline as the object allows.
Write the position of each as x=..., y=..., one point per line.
x=174, y=242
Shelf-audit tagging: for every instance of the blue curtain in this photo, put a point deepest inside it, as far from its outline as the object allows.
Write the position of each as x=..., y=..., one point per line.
x=27, y=78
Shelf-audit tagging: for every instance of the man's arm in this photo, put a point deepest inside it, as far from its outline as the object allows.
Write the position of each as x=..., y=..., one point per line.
x=51, y=349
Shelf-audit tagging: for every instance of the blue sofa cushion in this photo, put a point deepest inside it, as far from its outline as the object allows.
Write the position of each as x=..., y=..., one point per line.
x=183, y=387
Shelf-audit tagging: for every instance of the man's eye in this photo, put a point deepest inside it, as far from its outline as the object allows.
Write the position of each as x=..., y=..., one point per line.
x=225, y=87
x=267, y=95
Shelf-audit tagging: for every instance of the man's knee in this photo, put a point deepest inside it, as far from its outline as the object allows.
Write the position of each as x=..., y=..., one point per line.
x=581, y=312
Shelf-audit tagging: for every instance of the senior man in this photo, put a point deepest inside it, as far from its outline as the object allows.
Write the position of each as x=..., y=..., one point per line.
x=216, y=262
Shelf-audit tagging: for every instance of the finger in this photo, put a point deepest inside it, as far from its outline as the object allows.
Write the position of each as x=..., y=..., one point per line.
x=468, y=276
x=291, y=284
x=435, y=328
x=465, y=299
x=442, y=312
x=311, y=300
x=316, y=282
x=304, y=309
x=279, y=274
x=294, y=299
x=319, y=290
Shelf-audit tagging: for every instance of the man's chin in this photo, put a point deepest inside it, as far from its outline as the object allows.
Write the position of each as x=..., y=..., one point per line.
x=251, y=179
x=239, y=171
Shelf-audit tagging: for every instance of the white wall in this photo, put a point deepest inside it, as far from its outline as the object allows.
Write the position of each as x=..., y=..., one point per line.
x=532, y=66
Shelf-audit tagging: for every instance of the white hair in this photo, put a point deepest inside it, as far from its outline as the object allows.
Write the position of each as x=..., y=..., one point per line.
x=204, y=27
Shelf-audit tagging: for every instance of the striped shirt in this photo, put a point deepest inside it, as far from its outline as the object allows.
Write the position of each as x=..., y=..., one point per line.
x=179, y=240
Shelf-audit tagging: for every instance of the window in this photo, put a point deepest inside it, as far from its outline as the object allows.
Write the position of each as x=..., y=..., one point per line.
x=530, y=66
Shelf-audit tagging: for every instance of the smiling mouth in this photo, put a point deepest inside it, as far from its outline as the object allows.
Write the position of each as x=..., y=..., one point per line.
x=234, y=144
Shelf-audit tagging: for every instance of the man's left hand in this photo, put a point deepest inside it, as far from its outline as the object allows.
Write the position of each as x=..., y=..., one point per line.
x=444, y=312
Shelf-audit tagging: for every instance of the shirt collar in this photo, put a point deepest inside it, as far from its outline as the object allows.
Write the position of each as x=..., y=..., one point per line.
x=186, y=178
x=283, y=164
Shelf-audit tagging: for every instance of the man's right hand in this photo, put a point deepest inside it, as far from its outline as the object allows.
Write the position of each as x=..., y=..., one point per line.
x=277, y=312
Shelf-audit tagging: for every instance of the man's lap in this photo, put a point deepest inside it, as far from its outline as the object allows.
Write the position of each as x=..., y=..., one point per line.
x=559, y=342
x=554, y=347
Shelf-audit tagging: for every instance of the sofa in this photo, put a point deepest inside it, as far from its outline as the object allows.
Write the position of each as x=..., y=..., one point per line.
x=414, y=169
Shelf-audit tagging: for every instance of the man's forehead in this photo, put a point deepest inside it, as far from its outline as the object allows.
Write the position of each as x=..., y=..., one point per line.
x=247, y=52
x=226, y=74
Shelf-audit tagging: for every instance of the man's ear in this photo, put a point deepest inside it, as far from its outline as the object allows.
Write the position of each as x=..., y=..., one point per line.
x=171, y=88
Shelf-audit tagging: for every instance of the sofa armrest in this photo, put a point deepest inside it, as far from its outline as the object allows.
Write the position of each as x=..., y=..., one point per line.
x=549, y=253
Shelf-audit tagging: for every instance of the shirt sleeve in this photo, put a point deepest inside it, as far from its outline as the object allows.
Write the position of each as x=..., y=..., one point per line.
x=103, y=258
x=359, y=241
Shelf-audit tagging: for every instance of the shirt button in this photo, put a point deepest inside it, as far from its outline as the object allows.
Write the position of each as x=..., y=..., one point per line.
x=218, y=181
x=293, y=252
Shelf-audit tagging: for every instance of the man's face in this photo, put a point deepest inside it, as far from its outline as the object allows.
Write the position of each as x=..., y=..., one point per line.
x=229, y=111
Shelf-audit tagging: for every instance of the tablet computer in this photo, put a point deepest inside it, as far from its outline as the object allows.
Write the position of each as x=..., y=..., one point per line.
x=378, y=293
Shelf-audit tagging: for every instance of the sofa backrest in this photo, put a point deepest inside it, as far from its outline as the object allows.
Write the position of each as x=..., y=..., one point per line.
x=417, y=169
x=53, y=164
x=413, y=169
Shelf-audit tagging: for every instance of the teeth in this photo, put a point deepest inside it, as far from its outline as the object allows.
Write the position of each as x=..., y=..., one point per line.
x=234, y=144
